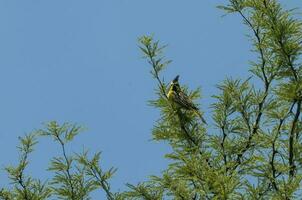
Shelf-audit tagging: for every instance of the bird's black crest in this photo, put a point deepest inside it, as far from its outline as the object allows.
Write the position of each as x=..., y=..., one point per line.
x=176, y=79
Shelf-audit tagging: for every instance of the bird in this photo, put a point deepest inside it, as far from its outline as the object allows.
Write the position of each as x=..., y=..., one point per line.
x=181, y=99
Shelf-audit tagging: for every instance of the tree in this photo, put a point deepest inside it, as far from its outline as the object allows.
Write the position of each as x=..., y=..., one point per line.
x=254, y=152
x=75, y=176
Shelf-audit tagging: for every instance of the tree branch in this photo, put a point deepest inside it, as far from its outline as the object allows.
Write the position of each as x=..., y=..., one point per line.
x=73, y=197
x=266, y=90
x=291, y=140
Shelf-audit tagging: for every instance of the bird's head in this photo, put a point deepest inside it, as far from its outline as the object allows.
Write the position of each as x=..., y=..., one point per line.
x=174, y=85
x=175, y=80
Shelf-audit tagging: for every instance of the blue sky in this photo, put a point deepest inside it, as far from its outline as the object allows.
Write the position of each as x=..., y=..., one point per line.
x=76, y=61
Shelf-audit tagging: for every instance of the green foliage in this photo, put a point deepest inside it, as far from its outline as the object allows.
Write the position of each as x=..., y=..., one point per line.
x=253, y=150
x=94, y=172
x=23, y=186
x=75, y=176
x=69, y=181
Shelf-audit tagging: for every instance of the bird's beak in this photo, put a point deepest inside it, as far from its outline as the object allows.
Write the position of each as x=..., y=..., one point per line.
x=175, y=79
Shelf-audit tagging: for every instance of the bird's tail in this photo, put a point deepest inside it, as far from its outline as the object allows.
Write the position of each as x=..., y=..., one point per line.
x=201, y=117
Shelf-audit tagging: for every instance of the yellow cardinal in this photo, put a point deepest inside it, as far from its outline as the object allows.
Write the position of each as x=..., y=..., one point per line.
x=177, y=96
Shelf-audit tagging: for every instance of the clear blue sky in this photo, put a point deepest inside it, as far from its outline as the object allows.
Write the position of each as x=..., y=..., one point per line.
x=78, y=61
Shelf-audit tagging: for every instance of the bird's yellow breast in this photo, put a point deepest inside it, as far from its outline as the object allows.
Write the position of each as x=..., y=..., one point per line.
x=170, y=95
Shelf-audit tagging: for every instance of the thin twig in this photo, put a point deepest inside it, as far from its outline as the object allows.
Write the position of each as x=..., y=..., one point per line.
x=68, y=167
x=266, y=85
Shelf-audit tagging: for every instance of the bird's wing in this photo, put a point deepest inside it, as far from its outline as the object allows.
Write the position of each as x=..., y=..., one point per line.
x=185, y=101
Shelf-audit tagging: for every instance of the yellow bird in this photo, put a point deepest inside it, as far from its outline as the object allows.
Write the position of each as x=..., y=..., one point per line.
x=177, y=96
